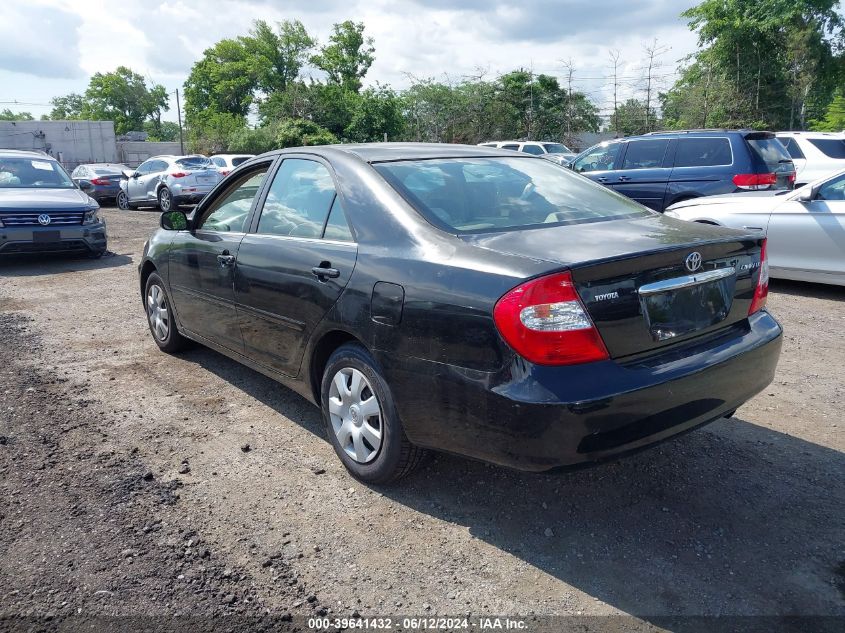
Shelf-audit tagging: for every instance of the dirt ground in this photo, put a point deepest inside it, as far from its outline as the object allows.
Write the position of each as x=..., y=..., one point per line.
x=134, y=483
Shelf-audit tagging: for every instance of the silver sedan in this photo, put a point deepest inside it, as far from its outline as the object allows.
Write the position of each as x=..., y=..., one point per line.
x=805, y=227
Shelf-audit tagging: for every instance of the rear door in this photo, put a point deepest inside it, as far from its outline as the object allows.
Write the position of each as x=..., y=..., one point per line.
x=810, y=236
x=202, y=262
x=293, y=264
x=644, y=174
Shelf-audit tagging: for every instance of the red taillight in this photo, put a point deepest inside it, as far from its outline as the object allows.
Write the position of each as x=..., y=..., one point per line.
x=100, y=181
x=179, y=174
x=224, y=172
x=544, y=321
x=755, y=181
x=762, y=289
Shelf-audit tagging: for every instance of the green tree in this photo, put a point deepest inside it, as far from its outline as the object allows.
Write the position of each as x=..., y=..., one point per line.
x=299, y=132
x=834, y=117
x=222, y=82
x=348, y=55
x=7, y=115
x=161, y=130
x=252, y=140
x=123, y=96
x=67, y=108
x=377, y=113
x=631, y=117
x=280, y=54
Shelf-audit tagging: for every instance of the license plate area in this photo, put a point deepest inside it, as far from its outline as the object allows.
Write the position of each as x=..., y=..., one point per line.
x=676, y=307
x=46, y=236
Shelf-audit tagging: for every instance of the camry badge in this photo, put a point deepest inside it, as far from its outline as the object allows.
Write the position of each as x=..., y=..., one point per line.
x=44, y=219
x=693, y=261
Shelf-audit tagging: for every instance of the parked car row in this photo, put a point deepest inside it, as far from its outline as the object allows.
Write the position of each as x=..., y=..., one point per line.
x=555, y=152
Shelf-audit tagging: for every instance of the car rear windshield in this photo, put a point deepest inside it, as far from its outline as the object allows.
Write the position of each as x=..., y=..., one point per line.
x=108, y=171
x=830, y=147
x=472, y=195
x=194, y=162
x=557, y=148
x=33, y=173
x=770, y=150
x=240, y=159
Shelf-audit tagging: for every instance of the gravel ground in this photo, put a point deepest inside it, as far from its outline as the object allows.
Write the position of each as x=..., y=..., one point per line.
x=136, y=483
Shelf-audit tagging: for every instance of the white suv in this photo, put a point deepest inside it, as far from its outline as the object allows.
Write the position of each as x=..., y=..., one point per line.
x=556, y=152
x=815, y=154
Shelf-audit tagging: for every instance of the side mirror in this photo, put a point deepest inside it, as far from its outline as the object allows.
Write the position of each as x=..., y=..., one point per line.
x=85, y=185
x=174, y=221
x=806, y=194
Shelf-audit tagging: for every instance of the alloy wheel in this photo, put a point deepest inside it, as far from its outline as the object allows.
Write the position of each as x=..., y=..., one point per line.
x=158, y=312
x=355, y=415
x=122, y=201
x=165, y=200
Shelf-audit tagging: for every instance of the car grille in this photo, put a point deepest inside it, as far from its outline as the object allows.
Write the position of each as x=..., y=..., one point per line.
x=57, y=218
x=46, y=247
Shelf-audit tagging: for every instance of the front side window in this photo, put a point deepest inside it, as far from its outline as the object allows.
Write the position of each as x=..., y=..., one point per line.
x=33, y=173
x=470, y=195
x=532, y=149
x=230, y=211
x=830, y=147
x=600, y=158
x=833, y=189
x=646, y=154
x=703, y=152
x=299, y=200
x=144, y=168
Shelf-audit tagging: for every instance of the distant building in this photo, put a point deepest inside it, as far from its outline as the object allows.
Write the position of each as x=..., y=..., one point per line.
x=70, y=142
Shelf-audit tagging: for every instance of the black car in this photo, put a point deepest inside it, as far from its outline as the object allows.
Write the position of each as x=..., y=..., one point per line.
x=465, y=299
x=43, y=211
x=101, y=181
x=662, y=168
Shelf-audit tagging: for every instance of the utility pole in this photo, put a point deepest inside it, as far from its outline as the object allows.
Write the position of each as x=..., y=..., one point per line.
x=614, y=57
x=179, y=115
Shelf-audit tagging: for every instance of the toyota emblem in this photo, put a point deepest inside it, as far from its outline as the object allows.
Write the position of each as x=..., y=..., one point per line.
x=693, y=261
x=44, y=219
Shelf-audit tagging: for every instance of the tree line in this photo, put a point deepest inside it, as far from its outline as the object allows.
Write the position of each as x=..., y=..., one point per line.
x=763, y=64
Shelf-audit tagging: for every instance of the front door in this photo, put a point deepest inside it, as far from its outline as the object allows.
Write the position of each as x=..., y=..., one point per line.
x=293, y=265
x=135, y=186
x=202, y=262
x=810, y=236
x=599, y=163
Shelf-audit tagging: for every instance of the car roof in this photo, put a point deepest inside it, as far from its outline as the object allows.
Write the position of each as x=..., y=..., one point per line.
x=383, y=152
x=23, y=153
x=795, y=133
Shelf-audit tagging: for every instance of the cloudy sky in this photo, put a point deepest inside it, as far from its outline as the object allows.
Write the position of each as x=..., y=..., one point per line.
x=51, y=47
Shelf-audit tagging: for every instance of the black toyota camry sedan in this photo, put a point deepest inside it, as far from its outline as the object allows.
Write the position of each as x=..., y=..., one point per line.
x=465, y=299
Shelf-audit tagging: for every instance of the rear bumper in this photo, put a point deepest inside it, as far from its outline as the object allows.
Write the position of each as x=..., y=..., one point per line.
x=538, y=418
x=188, y=194
x=90, y=238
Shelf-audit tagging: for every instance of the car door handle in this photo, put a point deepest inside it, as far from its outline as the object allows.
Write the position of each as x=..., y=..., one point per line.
x=225, y=259
x=602, y=179
x=321, y=272
x=624, y=178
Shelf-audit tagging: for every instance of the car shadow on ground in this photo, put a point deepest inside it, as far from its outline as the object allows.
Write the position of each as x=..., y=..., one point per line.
x=53, y=264
x=807, y=289
x=732, y=519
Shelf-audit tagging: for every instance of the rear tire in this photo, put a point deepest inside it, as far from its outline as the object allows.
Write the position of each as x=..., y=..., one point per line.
x=361, y=419
x=160, y=316
x=165, y=200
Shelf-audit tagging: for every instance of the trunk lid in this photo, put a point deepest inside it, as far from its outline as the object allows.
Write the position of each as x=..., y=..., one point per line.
x=771, y=152
x=634, y=281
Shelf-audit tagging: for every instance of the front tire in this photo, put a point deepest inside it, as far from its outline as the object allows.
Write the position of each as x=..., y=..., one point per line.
x=165, y=200
x=361, y=419
x=123, y=201
x=160, y=316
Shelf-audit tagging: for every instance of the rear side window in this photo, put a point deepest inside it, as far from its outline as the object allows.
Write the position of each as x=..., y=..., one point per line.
x=645, y=154
x=472, y=195
x=703, y=152
x=830, y=147
x=770, y=150
x=511, y=146
x=792, y=148
x=533, y=149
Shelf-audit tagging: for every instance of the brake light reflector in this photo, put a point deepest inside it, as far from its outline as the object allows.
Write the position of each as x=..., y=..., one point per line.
x=544, y=321
x=179, y=174
x=761, y=292
x=755, y=181
x=100, y=181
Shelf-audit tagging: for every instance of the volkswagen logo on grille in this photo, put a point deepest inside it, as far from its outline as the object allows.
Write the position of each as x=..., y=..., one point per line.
x=44, y=219
x=693, y=261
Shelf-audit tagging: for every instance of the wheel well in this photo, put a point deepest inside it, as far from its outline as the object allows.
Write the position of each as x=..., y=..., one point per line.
x=146, y=270
x=324, y=348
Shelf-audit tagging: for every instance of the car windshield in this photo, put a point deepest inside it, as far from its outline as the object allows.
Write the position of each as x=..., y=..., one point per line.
x=33, y=173
x=194, y=162
x=557, y=148
x=110, y=170
x=470, y=195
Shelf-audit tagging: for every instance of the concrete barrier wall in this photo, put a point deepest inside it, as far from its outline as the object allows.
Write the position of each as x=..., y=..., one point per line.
x=133, y=153
x=71, y=142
